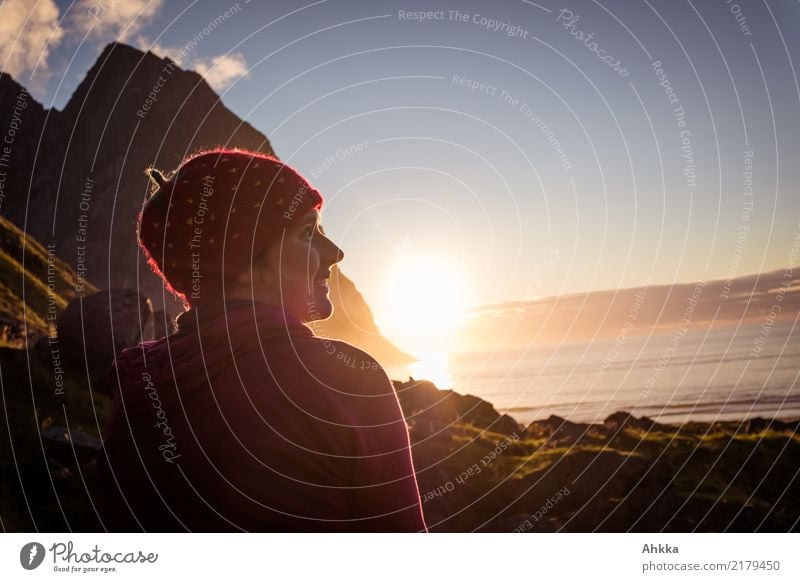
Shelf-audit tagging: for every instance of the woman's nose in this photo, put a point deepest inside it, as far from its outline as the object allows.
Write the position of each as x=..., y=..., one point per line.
x=330, y=251
x=338, y=254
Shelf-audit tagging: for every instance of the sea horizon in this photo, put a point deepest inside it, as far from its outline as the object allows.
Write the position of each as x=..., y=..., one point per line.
x=704, y=374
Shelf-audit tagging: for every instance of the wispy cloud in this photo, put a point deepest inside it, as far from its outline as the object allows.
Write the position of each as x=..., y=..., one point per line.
x=109, y=20
x=220, y=71
x=173, y=52
x=28, y=33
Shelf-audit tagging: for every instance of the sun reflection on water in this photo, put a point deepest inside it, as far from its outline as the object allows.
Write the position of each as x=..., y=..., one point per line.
x=432, y=366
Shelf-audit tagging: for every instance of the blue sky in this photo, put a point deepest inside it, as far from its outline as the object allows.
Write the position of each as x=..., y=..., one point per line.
x=424, y=166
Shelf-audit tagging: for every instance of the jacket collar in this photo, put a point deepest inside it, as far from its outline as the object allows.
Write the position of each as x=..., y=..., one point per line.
x=241, y=311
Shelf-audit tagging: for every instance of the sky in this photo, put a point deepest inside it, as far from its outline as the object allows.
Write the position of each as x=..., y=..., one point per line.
x=515, y=149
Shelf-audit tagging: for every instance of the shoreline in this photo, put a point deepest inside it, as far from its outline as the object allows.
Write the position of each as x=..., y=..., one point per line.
x=790, y=415
x=669, y=419
x=480, y=470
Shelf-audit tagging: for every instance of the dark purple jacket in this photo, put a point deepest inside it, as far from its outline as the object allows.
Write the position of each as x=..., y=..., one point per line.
x=246, y=420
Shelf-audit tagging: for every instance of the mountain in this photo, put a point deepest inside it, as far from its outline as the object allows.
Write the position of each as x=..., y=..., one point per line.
x=74, y=178
x=762, y=297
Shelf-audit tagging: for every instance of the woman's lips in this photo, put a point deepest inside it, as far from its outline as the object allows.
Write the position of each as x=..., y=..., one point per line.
x=322, y=279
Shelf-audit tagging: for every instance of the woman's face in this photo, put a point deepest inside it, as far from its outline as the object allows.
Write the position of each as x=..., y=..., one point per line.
x=294, y=273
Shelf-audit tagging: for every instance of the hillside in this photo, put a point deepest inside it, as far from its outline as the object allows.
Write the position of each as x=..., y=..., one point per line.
x=35, y=286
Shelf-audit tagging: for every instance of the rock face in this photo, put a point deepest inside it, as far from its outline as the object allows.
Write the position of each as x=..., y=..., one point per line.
x=64, y=445
x=91, y=321
x=352, y=321
x=82, y=169
x=101, y=325
x=429, y=410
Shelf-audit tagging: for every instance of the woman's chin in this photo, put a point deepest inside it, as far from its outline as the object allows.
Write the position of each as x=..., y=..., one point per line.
x=321, y=308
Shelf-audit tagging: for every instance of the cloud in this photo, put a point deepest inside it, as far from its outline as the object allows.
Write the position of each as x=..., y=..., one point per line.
x=221, y=70
x=27, y=35
x=173, y=52
x=109, y=20
x=29, y=32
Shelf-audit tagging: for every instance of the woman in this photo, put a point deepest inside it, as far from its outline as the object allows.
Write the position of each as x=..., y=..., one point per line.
x=244, y=419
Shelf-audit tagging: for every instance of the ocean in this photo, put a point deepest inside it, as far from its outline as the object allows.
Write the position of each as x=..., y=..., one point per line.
x=721, y=373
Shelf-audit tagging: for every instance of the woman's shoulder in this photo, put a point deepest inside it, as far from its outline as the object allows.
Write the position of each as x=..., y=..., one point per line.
x=331, y=362
x=349, y=356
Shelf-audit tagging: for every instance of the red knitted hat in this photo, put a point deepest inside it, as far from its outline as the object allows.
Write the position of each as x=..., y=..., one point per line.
x=220, y=208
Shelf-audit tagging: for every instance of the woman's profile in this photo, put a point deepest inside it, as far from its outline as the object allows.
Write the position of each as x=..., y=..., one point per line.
x=245, y=419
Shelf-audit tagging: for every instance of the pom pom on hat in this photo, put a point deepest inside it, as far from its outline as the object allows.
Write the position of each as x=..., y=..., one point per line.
x=156, y=176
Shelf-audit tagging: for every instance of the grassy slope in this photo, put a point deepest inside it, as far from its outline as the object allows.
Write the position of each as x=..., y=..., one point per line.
x=29, y=395
x=24, y=293
x=631, y=480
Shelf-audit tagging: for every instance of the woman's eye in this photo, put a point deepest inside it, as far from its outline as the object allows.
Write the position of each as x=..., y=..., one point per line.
x=308, y=232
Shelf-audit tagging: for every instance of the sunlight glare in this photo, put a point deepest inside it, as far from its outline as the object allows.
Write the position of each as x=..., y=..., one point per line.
x=425, y=301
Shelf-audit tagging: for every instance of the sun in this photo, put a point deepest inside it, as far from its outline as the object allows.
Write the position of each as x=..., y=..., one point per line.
x=424, y=302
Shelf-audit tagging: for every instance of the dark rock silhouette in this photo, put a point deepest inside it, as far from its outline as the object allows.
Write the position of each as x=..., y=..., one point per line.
x=64, y=445
x=758, y=425
x=101, y=325
x=559, y=432
x=106, y=321
x=430, y=410
x=622, y=420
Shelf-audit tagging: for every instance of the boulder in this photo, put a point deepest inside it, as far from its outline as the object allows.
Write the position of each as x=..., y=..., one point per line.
x=559, y=431
x=422, y=400
x=622, y=420
x=110, y=321
x=91, y=317
x=65, y=445
x=758, y=425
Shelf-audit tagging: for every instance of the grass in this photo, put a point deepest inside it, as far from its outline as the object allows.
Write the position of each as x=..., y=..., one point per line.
x=26, y=271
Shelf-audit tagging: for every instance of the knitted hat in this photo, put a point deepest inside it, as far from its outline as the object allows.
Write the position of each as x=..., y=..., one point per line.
x=203, y=226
